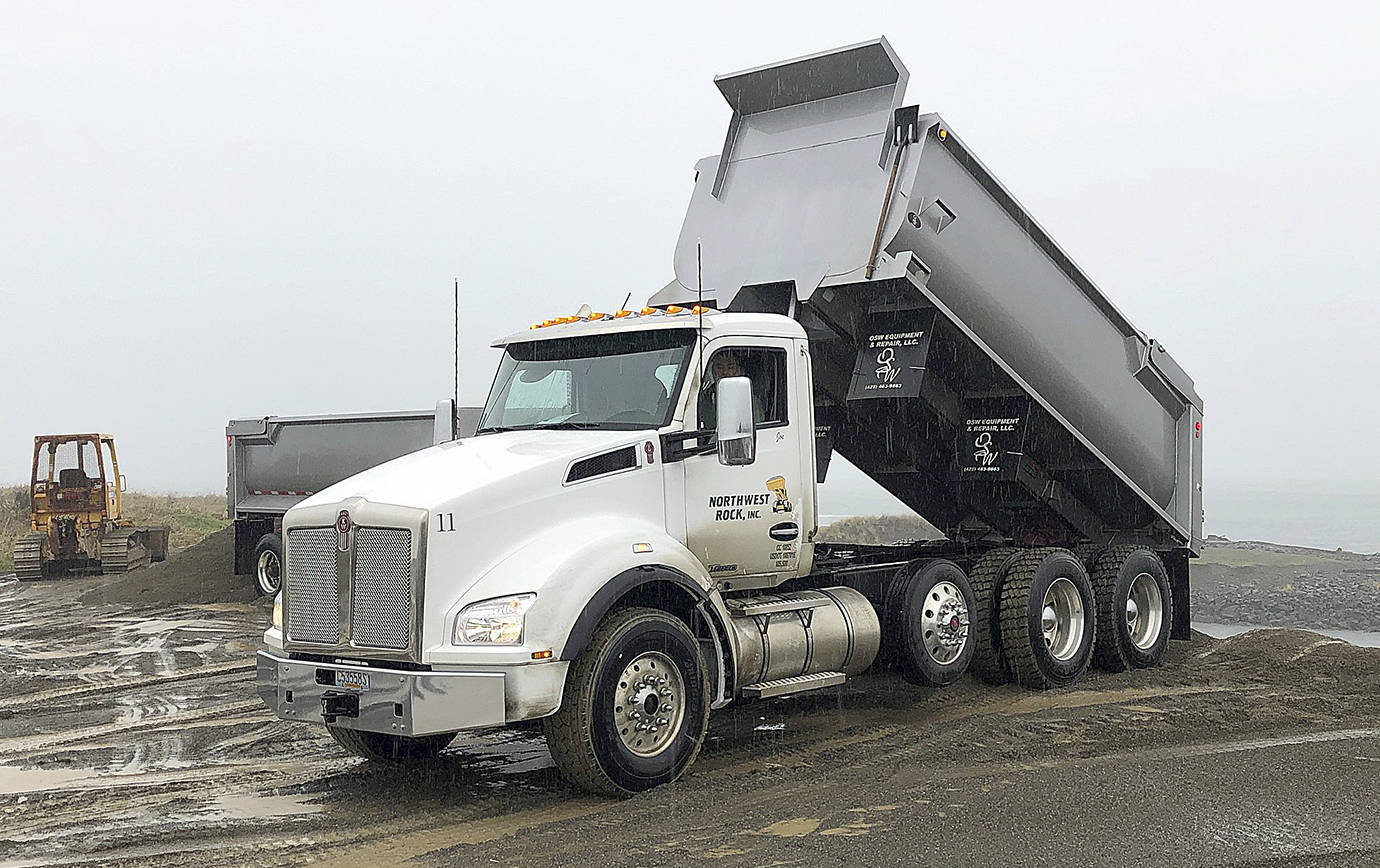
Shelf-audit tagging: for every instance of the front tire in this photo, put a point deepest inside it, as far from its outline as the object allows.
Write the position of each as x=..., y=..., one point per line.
x=268, y=564
x=1048, y=618
x=382, y=747
x=636, y=705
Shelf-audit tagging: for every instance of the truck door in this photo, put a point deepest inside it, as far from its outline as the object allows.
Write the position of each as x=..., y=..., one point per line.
x=749, y=520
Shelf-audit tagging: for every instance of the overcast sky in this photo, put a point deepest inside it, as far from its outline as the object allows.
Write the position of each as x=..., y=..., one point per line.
x=213, y=211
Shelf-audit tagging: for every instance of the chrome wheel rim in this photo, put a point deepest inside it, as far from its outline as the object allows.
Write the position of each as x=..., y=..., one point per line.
x=649, y=704
x=1061, y=619
x=270, y=573
x=944, y=623
x=1144, y=611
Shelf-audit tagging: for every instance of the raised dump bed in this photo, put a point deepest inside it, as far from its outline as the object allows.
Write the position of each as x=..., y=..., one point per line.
x=962, y=359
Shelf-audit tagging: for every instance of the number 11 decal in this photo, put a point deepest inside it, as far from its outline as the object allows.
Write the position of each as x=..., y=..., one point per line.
x=445, y=521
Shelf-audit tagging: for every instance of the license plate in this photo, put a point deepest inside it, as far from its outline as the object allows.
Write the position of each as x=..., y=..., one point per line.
x=351, y=680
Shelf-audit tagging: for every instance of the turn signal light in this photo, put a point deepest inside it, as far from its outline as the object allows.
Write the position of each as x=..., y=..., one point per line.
x=541, y=655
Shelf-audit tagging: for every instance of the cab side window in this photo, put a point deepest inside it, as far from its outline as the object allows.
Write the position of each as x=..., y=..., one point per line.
x=765, y=367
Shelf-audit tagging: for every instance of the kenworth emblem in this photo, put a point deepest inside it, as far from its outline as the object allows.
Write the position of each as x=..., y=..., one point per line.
x=342, y=531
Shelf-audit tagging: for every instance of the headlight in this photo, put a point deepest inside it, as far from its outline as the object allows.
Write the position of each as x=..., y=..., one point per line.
x=493, y=622
x=278, y=612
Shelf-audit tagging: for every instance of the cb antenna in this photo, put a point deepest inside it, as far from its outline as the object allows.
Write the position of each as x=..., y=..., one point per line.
x=628, y=298
x=456, y=394
x=699, y=286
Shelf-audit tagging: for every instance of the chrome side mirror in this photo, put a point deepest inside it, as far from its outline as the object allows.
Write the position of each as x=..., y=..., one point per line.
x=737, y=432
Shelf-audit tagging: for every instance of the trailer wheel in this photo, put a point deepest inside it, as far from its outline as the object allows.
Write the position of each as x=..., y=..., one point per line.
x=929, y=623
x=1134, y=608
x=382, y=747
x=636, y=705
x=986, y=579
x=268, y=564
x=1048, y=618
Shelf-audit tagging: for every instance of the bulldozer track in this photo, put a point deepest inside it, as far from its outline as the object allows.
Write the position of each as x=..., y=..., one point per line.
x=123, y=550
x=28, y=557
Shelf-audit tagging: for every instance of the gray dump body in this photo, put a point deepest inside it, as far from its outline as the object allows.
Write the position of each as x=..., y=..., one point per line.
x=275, y=462
x=962, y=359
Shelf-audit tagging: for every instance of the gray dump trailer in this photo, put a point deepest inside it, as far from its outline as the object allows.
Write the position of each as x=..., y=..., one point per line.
x=276, y=462
x=961, y=358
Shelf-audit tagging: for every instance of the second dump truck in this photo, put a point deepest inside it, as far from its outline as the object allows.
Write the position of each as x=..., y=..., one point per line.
x=628, y=542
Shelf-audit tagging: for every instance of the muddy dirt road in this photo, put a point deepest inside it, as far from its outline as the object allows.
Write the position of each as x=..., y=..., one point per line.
x=133, y=736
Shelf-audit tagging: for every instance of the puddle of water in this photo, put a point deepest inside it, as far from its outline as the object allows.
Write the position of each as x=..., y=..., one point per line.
x=1359, y=638
x=247, y=806
x=15, y=780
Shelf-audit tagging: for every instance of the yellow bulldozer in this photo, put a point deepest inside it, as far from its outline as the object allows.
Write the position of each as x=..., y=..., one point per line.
x=75, y=521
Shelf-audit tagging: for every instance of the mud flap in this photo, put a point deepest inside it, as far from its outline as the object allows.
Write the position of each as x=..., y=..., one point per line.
x=1176, y=563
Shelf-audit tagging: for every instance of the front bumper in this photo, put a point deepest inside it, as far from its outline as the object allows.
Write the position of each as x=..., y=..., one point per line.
x=401, y=702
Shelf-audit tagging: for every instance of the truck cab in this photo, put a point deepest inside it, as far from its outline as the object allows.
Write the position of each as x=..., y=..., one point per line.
x=486, y=564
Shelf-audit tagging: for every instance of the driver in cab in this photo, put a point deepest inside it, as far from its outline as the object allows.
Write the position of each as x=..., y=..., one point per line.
x=726, y=363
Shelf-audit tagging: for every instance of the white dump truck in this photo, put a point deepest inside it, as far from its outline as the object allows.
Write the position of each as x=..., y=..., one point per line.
x=628, y=542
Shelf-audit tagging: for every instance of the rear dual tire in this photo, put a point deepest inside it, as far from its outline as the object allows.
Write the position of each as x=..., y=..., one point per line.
x=1135, y=603
x=1047, y=618
x=268, y=564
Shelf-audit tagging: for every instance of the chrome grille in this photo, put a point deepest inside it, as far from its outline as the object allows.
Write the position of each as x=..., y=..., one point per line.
x=381, y=611
x=313, y=607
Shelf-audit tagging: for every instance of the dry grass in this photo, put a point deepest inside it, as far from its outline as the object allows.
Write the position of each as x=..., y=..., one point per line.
x=192, y=518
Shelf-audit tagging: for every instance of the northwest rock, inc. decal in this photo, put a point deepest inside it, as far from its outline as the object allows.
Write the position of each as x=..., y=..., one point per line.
x=746, y=507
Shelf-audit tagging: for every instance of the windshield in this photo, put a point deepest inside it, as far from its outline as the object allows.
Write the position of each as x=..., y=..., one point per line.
x=613, y=381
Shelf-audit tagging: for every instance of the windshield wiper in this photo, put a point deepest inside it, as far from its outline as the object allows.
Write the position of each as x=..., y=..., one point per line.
x=569, y=426
x=496, y=429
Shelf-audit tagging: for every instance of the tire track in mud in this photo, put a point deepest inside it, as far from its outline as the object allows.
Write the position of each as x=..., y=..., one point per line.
x=24, y=702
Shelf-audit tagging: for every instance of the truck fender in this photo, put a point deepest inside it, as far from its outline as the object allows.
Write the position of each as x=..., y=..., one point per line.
x=612, y=591
x=608, y=595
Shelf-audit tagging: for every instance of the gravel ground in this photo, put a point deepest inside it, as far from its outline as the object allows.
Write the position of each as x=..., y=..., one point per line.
x=132, y=735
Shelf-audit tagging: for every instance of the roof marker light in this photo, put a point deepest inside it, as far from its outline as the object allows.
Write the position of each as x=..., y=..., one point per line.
x=648, y=311
x=619, y=314
x=596, y=316
x=674, y=309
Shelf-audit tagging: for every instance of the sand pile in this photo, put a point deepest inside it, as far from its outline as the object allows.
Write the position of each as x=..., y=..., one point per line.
x=203, y=573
